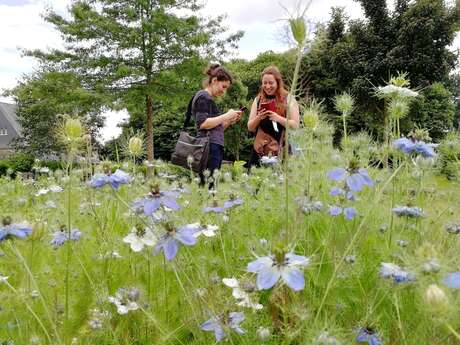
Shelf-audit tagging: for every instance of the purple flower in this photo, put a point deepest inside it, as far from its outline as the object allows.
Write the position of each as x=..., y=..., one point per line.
x=232, y=202
x=156, y=199
x=170, y=241
x=116, y=179
x=408, y=211
x=8, y=230
x=217, y=323
x=348, y=212
x=60, y=237
x=410, y=146
x=355, y=179
x=452, y=280
x=368, y=335
x=336, y=191
x=270, y=269
x=399, y=276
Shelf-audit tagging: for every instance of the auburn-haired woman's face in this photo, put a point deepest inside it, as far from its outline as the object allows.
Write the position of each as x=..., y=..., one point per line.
x=269, y=84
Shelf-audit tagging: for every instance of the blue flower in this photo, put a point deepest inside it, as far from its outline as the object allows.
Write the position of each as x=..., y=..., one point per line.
x=368, y=335
x=336, y=191
x=232, y=202
x=217, y=323
x=170, y=241
x=408, y=211
x=116, y=179
x=307, y=205
x=355, y=179
x=156, y=199
x=270, y=269
x=8, y=230
x=410, y=146
x=452, y=280
x=348, y=212
x=60, y=237
x=399, y=276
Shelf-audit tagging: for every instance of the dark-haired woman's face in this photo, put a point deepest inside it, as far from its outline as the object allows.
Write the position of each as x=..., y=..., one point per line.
x=219, y=87
x=269, y=84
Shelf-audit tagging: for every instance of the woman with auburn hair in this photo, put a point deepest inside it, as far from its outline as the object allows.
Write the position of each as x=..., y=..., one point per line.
x=268, y=117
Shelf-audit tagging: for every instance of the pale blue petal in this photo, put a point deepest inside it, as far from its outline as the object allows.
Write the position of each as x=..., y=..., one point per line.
x=350, y=212
x=3, y=234
x=219, y=333
x=208, y=325
x=365, y=176
x=452, y=280
x=337, y=174
x=293, y=278
x=170, y=203
x=260, y=264
x=236, y=318
x=186, y=236
x=170, y=248
x=151, y=205
x=266, y=278
x=335, y=191
x=335, y=211
x=355, y=182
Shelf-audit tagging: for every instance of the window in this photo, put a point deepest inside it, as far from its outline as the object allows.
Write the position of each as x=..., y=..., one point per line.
x=3, y=131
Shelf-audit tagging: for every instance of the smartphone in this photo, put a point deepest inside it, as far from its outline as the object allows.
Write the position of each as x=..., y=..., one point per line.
x=268, y=106
x=243, y=109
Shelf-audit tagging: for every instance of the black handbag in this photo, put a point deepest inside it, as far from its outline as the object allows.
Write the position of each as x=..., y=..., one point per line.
x=191, y=152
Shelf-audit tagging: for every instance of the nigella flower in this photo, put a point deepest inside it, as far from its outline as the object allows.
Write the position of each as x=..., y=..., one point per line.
x=389, y=270
x=307, y=206
x=125, y=300
x=452, y=280
x=269, y=160
x=368, y=335
x=8, y=230
x=116, y=179
x=156, y=199
x=408, y=211
x=348, y=212
x=354, y=177
x=207, y=230
x=241, y=295
x=60, y=237
x=140, y=237
x=270, y=269
x=232, y=202
x=410, y=146
x=453, y=228
x=336, y=191
x=170, y=241
x=216, y=324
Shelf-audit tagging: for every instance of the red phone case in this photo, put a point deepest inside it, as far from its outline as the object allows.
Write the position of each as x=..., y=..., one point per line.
x=268, y=106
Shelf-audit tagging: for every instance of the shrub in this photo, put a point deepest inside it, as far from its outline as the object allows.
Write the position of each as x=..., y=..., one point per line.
x=449, y=156
x=4, y=165
x=21, y=162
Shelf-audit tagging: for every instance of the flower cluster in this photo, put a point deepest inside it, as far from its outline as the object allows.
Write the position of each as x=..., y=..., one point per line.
x=408, y=211
x=389, y=270
x=125, y=300
x=417, y=147
x=240, y=294
x=62, y=236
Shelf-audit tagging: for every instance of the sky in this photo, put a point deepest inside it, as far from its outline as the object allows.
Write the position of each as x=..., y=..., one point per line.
x=22, y=27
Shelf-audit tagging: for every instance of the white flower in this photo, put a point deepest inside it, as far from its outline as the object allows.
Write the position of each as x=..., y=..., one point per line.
x=240, y=294
x=42, y=191
x=208, y=231
x=56, y=189
x=267, y=160
x=3, y=279
x=393, y=90
x=138, y=238
x=124, y=305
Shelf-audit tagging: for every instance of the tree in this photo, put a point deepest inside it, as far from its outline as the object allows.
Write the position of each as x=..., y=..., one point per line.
x=41, y=97
x=124, y=46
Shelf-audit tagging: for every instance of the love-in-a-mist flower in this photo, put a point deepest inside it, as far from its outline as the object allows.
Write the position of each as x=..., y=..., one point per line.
x=217, y=324
x=156, y=199
x=413, y=146
x=205, y=230
x=116, y=179
x=348, y=212
x=125, y=300
x=242, y=296
x=61, y=236
x=8, y=230
x=390, y=270
x=355, y=178
x=230, y=203
x=369, y=336
x=139, y=237
x=270, y=269
x=170, y=241
x=408, y=211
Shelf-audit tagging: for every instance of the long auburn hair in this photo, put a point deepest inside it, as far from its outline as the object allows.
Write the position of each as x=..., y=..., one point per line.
x=281, y=92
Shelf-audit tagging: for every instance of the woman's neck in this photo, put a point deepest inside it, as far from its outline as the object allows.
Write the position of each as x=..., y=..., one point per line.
x=208, y=89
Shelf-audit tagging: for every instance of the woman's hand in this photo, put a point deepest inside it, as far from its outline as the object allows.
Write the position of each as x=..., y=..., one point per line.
x=274, y=116
x=261, y=114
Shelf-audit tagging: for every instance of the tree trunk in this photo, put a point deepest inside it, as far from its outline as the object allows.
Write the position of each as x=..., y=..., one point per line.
x=149, y=129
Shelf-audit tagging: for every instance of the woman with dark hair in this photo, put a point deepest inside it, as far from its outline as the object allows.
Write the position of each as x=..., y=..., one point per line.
x=209, y=120
x=268, y=117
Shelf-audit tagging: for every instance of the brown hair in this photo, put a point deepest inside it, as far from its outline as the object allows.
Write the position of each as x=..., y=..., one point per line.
x=219, y=72
x=281, y=92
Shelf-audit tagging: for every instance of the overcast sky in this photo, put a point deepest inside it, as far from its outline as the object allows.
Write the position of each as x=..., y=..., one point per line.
x=21, y=26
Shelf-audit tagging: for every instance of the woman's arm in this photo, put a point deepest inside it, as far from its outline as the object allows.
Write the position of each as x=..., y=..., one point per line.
x=294, y=116
x=255, y=117
x=224, y=119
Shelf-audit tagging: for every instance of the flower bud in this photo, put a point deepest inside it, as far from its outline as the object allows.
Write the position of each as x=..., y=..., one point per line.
x=344, y=103
x=73, y=129
x=263, y=333
x=298, y=29
x=311, y=119
x=135, y=146
x=436, y=298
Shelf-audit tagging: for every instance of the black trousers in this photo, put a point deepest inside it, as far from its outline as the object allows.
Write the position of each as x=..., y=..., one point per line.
x=216, y=155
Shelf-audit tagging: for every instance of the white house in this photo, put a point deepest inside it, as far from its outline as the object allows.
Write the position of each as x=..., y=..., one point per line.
x=9, y=127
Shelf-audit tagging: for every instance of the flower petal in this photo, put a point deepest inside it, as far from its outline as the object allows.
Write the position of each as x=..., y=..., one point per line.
x=260, y=264
x=170, y=248
x=170, y=203
x=151, y=205
x=293, y=277
x=337, y=174
x=350, y=212
x=186, y=236
x=267, y=277
x=452, y=280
